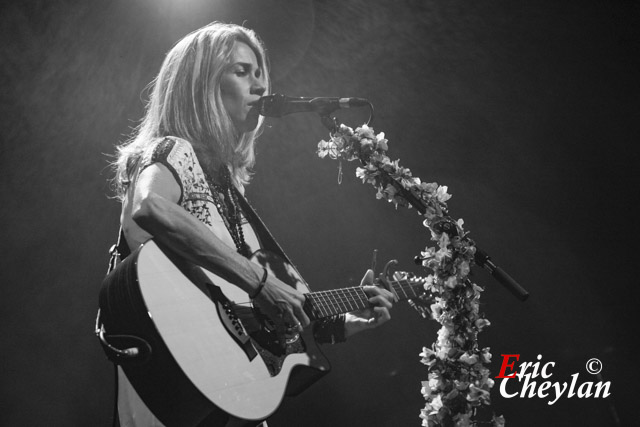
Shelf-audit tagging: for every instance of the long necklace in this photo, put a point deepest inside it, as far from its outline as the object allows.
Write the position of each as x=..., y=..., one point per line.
x=228, y=207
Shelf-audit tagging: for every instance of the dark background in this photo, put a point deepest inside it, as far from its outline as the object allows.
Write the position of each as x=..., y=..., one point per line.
x=528, y=111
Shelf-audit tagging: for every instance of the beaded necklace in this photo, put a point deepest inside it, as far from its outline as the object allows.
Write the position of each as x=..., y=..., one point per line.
x=228, y=207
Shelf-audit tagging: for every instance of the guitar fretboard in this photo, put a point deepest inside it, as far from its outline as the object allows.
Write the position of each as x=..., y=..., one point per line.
x=323, y=304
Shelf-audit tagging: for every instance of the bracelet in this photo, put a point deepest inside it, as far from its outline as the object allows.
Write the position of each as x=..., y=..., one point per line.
x=261, y=285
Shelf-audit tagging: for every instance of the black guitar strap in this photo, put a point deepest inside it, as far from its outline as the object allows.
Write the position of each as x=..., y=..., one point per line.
x=264, y=235
x=118, y=252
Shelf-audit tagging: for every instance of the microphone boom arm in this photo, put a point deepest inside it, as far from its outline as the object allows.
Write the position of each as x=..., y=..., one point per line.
x=277, y=105
x=481, y=257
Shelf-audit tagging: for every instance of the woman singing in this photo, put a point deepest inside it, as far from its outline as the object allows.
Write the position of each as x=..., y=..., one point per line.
x=181, y=180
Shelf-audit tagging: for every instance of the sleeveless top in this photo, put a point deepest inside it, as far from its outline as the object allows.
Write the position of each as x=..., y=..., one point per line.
x=178, y=156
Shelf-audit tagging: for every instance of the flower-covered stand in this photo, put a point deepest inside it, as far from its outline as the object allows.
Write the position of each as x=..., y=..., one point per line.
x=458, y=381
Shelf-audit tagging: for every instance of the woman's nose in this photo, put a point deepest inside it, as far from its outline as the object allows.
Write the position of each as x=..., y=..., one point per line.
x=258, y=89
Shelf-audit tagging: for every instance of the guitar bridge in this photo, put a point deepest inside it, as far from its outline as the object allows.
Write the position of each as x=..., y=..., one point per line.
x=231, y=322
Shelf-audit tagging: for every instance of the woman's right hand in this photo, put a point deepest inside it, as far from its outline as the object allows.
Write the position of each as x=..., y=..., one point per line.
x=283, y=305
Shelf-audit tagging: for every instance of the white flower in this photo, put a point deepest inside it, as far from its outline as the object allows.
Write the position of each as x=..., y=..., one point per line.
x=498, y=421
x=444, y=240
x=429, y=214
x=469, y=359
x=425, y=417
x=390, y=191
x=366, y=142
x=436, y=403
x=323, y=148
x=429, y=282
x=346, y=130
x=425, y=390
x=485, y=356
x=464, y=268
x=436, y=311
x=451, y=282
x=442, y=194
x=477, y=289
x=429, y=187
x=477, y=394
x=462, y=420
x=482, y=323
x=365, y=132
x=381, y=142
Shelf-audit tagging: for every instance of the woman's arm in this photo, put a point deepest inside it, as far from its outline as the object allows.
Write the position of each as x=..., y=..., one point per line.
x=155, y=209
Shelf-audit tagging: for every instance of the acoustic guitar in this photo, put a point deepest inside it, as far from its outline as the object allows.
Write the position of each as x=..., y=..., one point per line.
x=199, y=342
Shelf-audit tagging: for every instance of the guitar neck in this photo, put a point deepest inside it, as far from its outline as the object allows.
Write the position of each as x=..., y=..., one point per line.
x=322, y=304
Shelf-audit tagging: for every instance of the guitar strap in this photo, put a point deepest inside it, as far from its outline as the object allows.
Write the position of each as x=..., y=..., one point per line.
x=264, y=235
x=113, y=345
x=118, y=252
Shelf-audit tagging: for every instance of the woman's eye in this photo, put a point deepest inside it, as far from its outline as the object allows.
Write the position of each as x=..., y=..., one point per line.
x=241, y=71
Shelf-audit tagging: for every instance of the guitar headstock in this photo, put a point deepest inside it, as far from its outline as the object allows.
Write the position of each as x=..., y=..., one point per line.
x=402, y=277
x=408, y=279
x=407, y=286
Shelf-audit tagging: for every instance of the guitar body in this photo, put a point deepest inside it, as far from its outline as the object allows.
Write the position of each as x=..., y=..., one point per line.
x=208, y=347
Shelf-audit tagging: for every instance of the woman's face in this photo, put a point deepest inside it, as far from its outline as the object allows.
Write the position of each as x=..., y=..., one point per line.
x=241, y=85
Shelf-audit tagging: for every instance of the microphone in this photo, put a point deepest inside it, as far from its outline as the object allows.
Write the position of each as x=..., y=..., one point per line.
x=276, y=105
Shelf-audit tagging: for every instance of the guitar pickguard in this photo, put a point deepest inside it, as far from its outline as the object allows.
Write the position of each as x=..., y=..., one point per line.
x=274, y=355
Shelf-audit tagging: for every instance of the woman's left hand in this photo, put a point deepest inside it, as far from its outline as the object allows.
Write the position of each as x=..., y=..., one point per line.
x=381, y=300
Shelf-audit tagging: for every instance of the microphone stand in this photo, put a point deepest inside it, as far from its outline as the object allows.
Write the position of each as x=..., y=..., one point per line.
x=481, y=258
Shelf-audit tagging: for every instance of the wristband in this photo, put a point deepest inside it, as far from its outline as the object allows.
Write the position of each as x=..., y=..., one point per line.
x=330, y=330
x=261, y=284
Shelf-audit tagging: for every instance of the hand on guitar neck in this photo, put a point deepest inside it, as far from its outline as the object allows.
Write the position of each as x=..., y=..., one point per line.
x=283, y=305
x=381, y=301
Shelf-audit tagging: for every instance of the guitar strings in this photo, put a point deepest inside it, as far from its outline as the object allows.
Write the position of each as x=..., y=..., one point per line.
x=335, y=301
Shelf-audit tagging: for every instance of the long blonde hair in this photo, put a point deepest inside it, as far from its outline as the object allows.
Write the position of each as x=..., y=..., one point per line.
x=186, y=102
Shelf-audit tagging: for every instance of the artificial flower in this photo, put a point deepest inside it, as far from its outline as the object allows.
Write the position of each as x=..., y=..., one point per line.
x=469, y=359
x=482, y=323
x=457, y=377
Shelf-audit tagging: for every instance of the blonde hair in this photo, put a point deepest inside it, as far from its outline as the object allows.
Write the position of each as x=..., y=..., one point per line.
x=186, y=102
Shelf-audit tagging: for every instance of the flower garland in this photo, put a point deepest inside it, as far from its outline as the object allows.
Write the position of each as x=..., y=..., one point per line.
x=458, y=382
